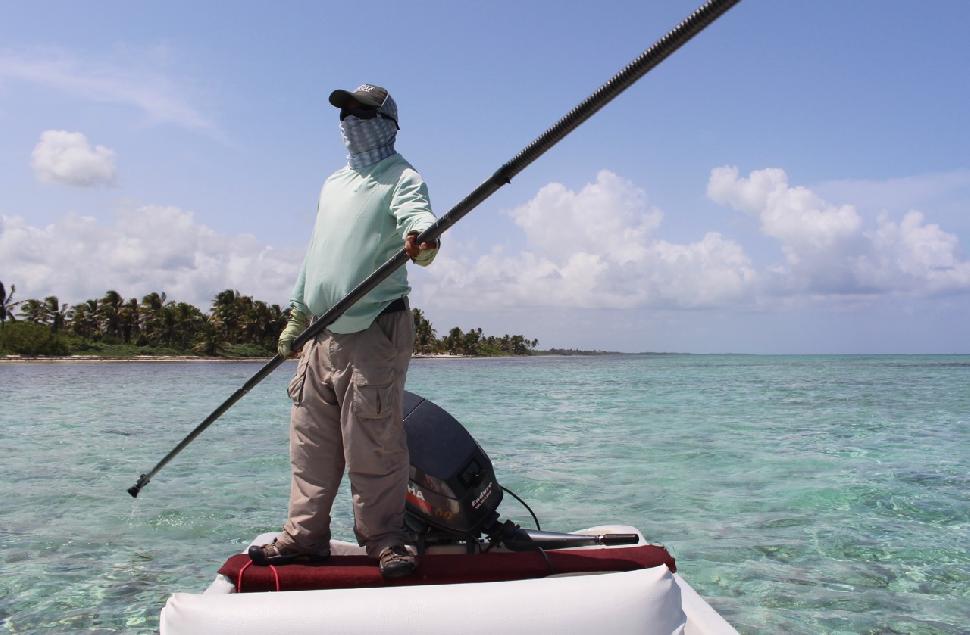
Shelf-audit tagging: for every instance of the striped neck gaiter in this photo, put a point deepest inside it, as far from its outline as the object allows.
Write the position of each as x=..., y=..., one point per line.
x=368, y=140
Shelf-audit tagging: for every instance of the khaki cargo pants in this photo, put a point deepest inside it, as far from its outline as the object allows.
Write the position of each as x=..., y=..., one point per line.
x=347, y=395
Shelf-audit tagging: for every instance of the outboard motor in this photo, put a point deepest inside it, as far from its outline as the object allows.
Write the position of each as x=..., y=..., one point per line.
x=453, y=495
x=452, y=492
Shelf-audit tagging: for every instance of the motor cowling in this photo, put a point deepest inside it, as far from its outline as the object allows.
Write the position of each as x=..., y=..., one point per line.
x=452, y=486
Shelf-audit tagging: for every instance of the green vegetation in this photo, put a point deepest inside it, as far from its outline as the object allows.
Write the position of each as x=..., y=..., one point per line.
x=235, y=326
x=7, y=305
x=26, y=338
x=474, y=342
x=113, y=326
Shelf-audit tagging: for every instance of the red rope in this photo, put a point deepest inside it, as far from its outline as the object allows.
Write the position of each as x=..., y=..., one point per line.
x=239, y=579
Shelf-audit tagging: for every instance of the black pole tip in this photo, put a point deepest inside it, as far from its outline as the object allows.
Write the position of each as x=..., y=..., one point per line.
x=142, y=482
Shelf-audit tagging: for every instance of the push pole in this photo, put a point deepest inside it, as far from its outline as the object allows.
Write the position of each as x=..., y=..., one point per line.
x=661, y=49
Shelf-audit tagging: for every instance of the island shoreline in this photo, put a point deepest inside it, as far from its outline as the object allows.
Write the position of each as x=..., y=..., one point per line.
x=170, y=359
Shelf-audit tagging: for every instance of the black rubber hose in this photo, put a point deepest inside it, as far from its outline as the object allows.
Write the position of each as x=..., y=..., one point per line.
x=524, y=504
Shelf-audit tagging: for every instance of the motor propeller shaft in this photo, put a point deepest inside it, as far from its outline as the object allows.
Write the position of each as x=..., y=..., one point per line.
x=515, y=538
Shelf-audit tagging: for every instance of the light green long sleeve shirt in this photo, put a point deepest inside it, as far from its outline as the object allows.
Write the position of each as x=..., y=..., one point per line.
x=362, y=219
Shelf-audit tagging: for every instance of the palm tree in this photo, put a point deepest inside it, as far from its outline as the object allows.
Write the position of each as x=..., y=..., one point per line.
x=453, y=343
x=92, y=307
x=33, y=310
x=277, y=322
x=471, y=342
x=266, y=318
x=128, y=320
x=247, y=320
x=7, y=305
x=520, y=345
x=84, y=319
x=225, y=310
x=168, y=327
x=56, y=313
x=109, y=309
x=424, y=334
x=209, y=340
x=186, y=320
x=151, y=317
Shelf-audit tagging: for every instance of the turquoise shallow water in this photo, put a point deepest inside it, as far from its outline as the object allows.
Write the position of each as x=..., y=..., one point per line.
x=798, y=494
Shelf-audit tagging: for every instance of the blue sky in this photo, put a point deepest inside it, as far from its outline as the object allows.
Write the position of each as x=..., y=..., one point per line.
x=795, y=179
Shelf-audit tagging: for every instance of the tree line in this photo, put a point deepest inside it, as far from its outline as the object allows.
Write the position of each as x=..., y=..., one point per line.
x=235, y=325
x=474, y=342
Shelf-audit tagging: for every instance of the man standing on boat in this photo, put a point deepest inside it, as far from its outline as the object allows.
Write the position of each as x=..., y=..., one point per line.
x=348, y=388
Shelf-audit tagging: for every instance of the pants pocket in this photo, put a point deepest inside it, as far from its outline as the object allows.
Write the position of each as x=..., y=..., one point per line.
x=396, y=329
x=377, y=443
x=295, y=388
x=373, y=401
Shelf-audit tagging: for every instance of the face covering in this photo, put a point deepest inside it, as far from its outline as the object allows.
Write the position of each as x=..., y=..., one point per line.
x=368, y=140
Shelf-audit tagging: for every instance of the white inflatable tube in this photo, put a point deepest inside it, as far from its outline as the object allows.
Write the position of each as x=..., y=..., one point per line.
x=635, y=602
x=644, y=601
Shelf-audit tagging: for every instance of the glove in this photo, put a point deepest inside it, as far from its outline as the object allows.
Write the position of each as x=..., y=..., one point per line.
x=418, y=254
x=425, y=256
x=294, y=327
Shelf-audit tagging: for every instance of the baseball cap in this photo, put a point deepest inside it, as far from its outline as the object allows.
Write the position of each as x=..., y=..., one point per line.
x=366, y=95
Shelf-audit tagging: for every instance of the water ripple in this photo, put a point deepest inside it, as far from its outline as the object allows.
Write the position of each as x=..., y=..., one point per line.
x=798, y=494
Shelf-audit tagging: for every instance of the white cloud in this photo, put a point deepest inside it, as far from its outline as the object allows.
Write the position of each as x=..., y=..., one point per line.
x=598, y=247
x=803, y=222
x=593, y=248
x=912, y=256
x=143, y=87
x=66, y=157
x=827, y=249
x=151, y=248
x=611, y=210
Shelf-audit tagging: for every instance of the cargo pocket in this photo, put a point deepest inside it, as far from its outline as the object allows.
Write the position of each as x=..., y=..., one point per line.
x=372, y=387
x=295, y=389
x=379, y=445
x=373, y=401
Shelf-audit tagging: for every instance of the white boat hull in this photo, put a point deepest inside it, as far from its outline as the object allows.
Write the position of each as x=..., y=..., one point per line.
x=644, y=601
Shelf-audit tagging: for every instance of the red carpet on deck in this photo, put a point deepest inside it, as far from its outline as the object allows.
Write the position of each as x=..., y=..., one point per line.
x=343, y=572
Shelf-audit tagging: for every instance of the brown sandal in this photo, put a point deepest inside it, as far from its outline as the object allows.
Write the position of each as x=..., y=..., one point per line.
x=263, y=555
x=396, y=562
